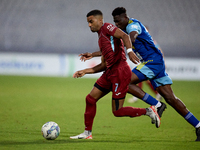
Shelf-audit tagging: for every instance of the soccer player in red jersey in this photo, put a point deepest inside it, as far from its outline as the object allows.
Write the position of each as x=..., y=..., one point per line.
x=116, y=76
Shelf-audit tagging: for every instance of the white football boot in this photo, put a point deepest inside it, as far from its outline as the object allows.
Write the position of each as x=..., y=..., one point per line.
x=152, y=113
x=85, y=135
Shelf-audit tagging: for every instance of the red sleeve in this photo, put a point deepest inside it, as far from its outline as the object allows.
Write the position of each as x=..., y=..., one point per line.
x=109, y=28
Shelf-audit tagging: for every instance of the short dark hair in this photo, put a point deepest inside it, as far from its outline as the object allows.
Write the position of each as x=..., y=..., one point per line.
x=95, y=13
x=119, y=11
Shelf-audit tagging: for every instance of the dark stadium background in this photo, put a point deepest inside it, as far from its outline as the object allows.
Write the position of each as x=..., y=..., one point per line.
x=60, y=26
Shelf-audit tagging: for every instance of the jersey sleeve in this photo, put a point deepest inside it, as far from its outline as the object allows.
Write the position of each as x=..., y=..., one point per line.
x=134, y=26
x=110, y=29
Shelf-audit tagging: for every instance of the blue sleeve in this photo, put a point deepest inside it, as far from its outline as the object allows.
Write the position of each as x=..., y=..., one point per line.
x=134, y=26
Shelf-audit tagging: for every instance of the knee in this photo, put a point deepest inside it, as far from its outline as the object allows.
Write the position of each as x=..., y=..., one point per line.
x=170, y=99
x=173, y=100
x=90, y=100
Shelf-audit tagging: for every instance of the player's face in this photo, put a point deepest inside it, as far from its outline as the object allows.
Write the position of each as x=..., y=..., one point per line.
x=120, y=21
x=94, y=22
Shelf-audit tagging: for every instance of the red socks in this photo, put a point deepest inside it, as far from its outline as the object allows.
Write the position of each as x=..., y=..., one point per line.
x=129, y=111
x=90, y=112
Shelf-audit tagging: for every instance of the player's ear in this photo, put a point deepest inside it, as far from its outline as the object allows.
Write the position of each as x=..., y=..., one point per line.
x=100, y=18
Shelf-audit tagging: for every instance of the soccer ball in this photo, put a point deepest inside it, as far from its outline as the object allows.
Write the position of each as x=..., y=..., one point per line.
x=50, y=130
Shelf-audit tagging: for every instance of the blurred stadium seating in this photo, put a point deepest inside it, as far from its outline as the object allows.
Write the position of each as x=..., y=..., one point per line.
x=60, y=26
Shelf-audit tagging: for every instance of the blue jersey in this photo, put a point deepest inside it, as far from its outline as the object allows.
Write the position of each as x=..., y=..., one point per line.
x=152, y=66
x=143, y=46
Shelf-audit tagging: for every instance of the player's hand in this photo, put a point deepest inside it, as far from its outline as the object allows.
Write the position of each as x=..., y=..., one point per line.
x=85, y=56
x=78, y=74
x=133, y=57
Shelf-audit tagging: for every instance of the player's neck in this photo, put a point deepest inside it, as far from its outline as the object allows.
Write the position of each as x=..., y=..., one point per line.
x=100, y=27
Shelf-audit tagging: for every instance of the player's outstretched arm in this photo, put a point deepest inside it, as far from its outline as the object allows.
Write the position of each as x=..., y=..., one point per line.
x=98, y=68
x=127, y=42
x=79, y=74
x=87, y=56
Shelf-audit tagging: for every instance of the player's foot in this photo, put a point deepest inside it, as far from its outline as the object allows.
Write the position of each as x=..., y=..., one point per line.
x=158, y=97
x=198, y=134
x=152, y=113
x=132, y=99
x=161, y=109
x=84, y=135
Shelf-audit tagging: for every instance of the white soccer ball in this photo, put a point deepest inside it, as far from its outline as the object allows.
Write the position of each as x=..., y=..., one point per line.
x=50, y=130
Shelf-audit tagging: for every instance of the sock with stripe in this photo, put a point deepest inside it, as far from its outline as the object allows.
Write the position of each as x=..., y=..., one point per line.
x=192, y=120
x=150, y=100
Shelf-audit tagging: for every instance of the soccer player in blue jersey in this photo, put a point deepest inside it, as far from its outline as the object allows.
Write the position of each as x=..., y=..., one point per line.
x=152, y=66
x=157, y=95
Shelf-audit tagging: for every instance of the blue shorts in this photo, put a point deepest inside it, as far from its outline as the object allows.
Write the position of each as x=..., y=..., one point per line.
x=154, y=71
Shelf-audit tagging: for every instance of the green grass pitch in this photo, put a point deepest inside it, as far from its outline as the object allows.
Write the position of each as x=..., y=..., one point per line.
x=26, y=103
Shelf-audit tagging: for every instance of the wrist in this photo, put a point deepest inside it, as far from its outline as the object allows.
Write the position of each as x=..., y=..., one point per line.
x=129, y=50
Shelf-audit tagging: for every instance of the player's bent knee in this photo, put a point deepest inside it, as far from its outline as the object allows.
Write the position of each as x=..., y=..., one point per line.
x=175, y=101
x=170, y=101
x=90, y=100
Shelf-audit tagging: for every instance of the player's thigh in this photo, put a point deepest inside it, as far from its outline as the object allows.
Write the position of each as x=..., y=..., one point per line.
x=101, y=87
x=117, y=104
x=137, y=76
x=96, y=93
x=134, y=79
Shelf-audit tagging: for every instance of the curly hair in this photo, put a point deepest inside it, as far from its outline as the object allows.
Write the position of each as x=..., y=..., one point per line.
x=119, y=11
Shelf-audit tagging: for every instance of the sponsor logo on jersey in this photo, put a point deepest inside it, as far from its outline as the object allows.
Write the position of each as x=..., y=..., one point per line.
x=118, y=94
x=110, y=27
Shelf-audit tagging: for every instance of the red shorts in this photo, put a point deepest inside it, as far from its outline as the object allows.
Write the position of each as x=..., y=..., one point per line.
x=116, y=80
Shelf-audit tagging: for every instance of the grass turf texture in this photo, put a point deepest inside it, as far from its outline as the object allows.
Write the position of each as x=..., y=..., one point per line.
x=26, y=103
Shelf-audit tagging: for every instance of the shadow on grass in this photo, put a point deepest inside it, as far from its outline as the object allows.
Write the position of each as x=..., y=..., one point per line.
x=64, y=139
x=67, y=141
x=61, y=141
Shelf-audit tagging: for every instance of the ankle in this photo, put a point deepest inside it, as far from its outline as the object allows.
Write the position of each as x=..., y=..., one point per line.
x=88, y=132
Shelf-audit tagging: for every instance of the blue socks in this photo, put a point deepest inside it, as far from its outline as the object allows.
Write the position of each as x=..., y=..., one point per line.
x=149, y=99
x=189, y=117
x=192, y=119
